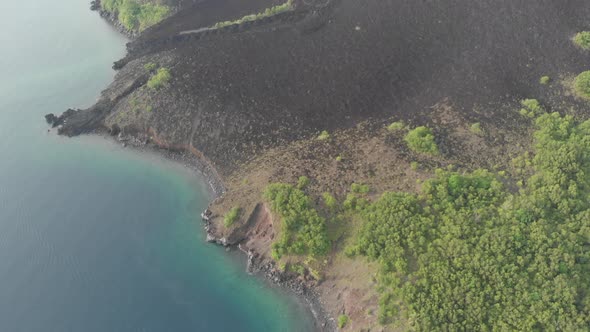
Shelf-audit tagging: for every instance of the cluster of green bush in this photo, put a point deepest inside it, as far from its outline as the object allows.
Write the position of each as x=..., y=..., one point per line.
x=253, y=17
x=302, y=182
x=531, y=108
x=360, y=188
x=582, y=40
x=231, y=217
x=396, y=126
x=421, y=139
x=468, y=254
x=323, y=136
x=134, y=15
x=342, y=321
x=150, y=67
x=159, y=79
x=582, y=85
x=303, y=230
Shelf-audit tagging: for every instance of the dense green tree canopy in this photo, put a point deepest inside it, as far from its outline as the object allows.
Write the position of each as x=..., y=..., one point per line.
x=468, y=254
x=303, y=231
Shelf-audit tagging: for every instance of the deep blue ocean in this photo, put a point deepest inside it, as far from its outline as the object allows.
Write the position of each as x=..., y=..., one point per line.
x=95, y=237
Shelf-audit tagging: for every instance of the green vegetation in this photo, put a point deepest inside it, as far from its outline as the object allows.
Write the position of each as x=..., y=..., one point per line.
x=545, y=80
x=297, y=268
x=469, y=254
x=531, y=108
x=339, y=158
x=421, y=140
x=253, y=17
x=324, y=136
x=476, y=128
x=582, y=40
x=150, y=66
x=303, y=230
x=414, y=165
x=159, y=79
x=302, y=182
x=396, y=126
x=360, y=188
x=342, y=321
x=134, y=15
x=231, y=217
x=354, y=202
x=330, y=202
x=582, y=85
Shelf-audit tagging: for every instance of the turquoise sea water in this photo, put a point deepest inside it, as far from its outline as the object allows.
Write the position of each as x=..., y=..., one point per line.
x=94, y=237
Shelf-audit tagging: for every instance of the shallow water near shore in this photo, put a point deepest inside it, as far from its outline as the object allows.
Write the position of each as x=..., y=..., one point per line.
x=94, y=237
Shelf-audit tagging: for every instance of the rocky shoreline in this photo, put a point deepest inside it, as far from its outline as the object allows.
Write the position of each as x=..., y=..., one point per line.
x=264, y=267
x=112, y=19
x=257, y=264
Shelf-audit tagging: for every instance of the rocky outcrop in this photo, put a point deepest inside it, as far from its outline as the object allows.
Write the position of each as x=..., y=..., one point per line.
x=250, y=238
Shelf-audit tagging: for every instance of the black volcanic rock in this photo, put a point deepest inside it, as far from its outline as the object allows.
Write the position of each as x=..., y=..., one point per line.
x=332, y=64
x=50, y=118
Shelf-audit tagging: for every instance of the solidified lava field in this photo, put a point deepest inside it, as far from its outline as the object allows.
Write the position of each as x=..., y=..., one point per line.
x=332, y=64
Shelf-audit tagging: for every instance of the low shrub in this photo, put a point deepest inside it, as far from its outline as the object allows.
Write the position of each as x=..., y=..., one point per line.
x=231, y=217
x=324, y=136
x=582, y=85
x=150, y=66
x=421, y=139
x=302, y=182
x=476, y=128
x=342, y=321
x=582, y=40
x=531, y=108
x=330, y=201
x=360, y=188
x=159, y=79
x=396, y=126
x=545, y=80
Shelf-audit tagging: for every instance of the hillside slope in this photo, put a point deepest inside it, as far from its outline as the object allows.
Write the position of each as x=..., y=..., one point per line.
x=250, y=100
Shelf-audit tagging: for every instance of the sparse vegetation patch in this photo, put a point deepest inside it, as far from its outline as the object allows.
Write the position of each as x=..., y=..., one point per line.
x=253, y=17
x=421, y=140
x=396, y=126
x=476, y=128
x=159, y=79
x=342, y=321
x=150, y=66
x=231, y=217
x=582, y=85
x=582, y=40
x=302, y=182
x=531, y=108
x=134, y=15
x=324, y=136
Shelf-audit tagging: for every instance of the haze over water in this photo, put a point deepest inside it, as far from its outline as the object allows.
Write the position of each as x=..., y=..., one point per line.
x=94, y=237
